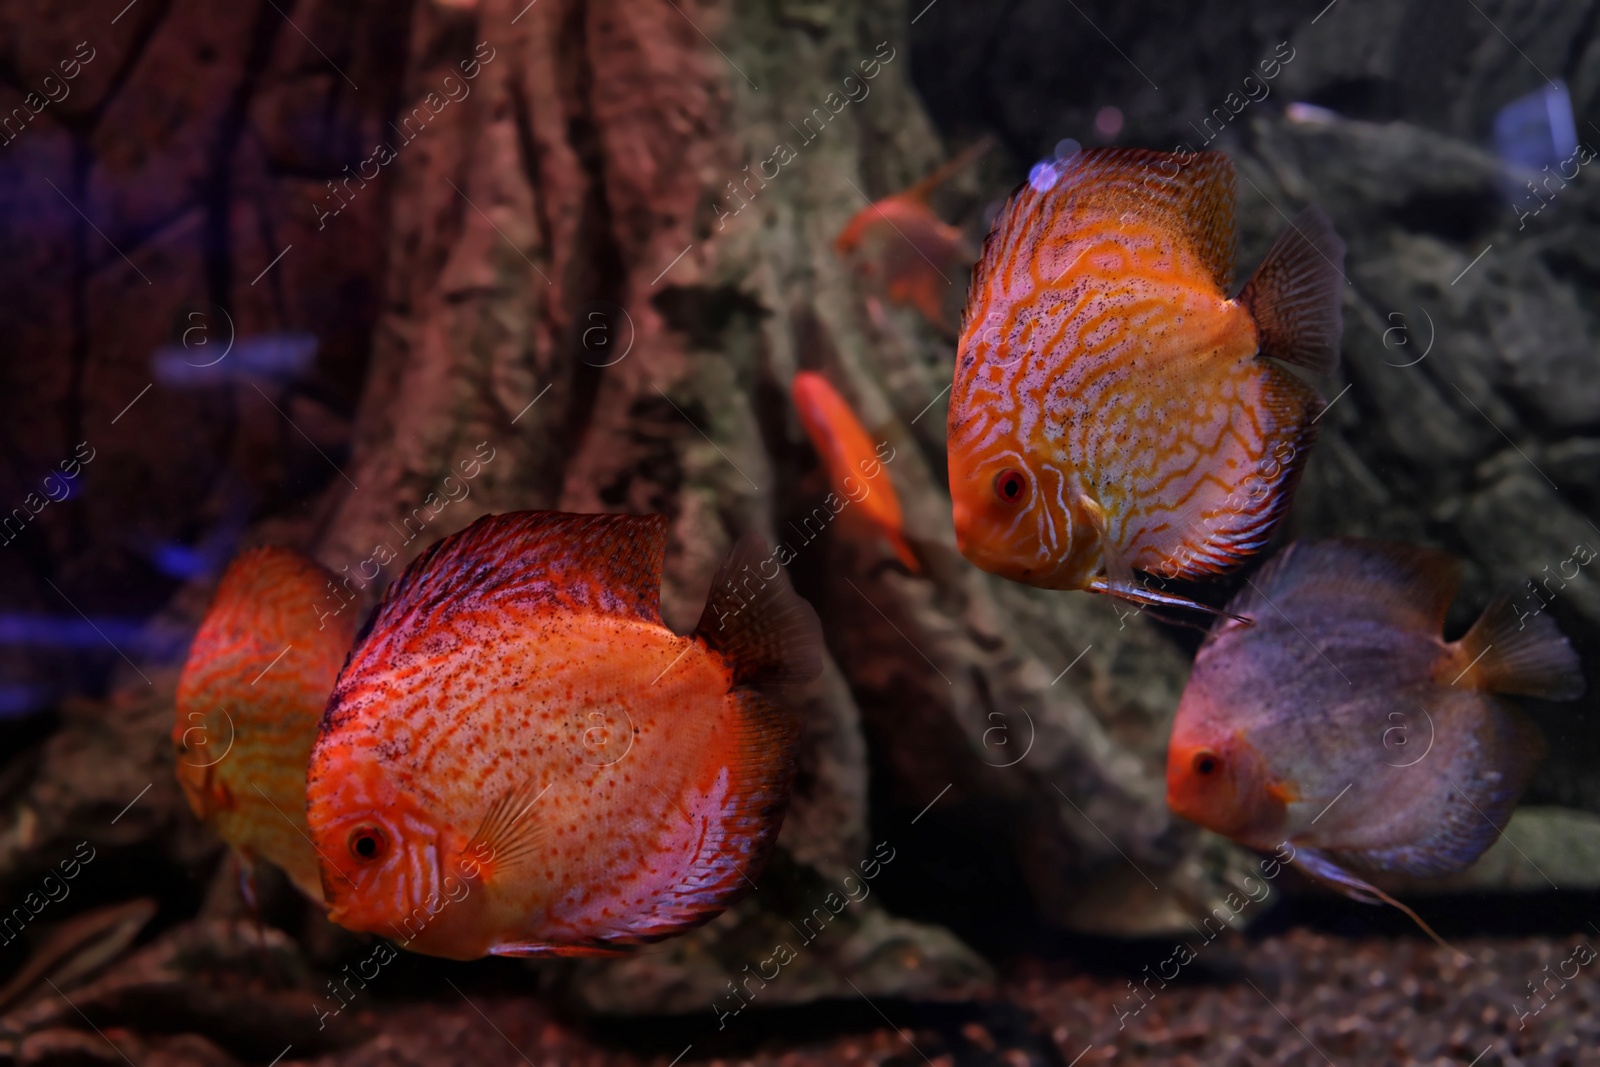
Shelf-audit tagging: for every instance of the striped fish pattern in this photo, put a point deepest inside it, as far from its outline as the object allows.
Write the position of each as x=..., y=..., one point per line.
x=522, y=759
x=1111, y=408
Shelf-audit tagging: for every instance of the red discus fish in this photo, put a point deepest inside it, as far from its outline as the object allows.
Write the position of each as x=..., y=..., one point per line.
x=1113, y=408
x=901, y=247
x=852, y=460
x=1342, y=723
x=521, y=759
x=249, y=700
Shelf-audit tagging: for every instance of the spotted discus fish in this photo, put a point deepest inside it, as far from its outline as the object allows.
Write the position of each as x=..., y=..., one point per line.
x=249, y=700
x=1113, y=408
x=1341, y=721
x=521, y=759
x=852, y=460
x=899, y=246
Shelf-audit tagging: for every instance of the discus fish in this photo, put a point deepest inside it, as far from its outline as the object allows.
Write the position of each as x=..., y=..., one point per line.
x=1342, y=723
x=852, y=460
x=899, y=245
x=249, y=699
x=521, y=759
x=1112, y=408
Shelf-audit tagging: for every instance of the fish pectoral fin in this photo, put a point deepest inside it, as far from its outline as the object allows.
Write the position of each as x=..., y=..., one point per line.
x=1295, y=295
x=1118, y=581
x=1326, y=871
x=1511, y=651
x=767, y=635
x=509, y=834
x=1119, y=574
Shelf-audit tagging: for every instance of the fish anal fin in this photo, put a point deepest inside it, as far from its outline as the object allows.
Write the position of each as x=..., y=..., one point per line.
x=534, y=560
x=733, y=836
x=509, y=833
x=1512, y=651
x=1237, y=524
x=1326, y=871
x=542, y=949
x=757, y=623
x=1294, y=296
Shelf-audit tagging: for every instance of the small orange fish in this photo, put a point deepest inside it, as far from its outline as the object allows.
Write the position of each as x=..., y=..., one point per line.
x=249, y=699
x=853, y=462
x=521, y=759
x=1113, y=408
x=1341, y=722
x=899, y=244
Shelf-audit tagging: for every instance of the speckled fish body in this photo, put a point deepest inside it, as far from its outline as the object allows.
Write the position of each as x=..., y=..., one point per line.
x=249, y=700
x=851, y=458
x=522, y=759
x=1112, y=409
x=1338, y=718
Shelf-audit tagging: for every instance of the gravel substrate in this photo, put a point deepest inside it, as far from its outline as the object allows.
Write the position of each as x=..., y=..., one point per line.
x=1300, y=999
x=1306, y=999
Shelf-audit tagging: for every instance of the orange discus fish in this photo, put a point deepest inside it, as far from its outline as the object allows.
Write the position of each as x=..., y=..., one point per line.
x=521, y=759
x=249, y=700
x=1113, y=408
x=900, y=245
x=1342, y=724
x=851, y=459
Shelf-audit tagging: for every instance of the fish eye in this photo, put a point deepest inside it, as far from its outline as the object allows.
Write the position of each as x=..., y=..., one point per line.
x=1011, y=485
x=368, y=843
x=1206, y=764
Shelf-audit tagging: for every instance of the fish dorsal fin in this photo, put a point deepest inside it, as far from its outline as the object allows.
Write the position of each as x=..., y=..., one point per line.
x=533, y=561
x=1193, y=199
x=1402, y=585
x=756, y=621
x=950, y=168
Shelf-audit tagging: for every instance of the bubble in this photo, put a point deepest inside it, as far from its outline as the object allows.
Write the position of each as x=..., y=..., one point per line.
x=1108, y=122
x=1066, y=148
x=1043, y=176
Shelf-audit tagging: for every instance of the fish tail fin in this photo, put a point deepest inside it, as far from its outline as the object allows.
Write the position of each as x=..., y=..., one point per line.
x=1507, y=651
x=951, y=167
x=1294, y=296
x=760, y=626
x=1324, y=870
